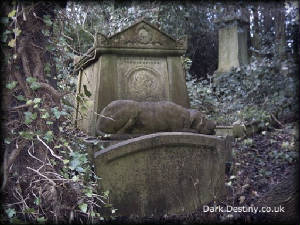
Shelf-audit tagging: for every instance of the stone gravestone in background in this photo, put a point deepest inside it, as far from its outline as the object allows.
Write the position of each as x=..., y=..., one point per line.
x=139, y=63
x=233, y=49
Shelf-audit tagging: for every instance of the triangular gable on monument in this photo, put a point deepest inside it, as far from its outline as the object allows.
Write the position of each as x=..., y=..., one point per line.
x=141, y=34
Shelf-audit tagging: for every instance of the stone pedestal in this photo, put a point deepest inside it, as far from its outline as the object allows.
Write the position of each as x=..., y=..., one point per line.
x=140, y=63
x=163, y=173
x=233, y=49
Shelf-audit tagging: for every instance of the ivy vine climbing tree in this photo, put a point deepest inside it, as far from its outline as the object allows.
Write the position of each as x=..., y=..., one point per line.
x=46, y=174
x=30, y=87
x=45, y=171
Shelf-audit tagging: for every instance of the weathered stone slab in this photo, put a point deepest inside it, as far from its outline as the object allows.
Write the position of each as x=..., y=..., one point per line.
x=233, y=49
x=224, y=131
x=170, y=172
x=247, y=129
x=140, y=63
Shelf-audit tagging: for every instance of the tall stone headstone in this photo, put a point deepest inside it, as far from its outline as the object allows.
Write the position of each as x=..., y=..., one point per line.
x=233, y=49
x=140, y=63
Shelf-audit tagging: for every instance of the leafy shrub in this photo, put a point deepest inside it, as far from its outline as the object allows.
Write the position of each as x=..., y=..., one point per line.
x=248, y=93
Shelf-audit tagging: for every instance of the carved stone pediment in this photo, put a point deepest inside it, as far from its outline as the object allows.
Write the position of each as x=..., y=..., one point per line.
x=140, y=35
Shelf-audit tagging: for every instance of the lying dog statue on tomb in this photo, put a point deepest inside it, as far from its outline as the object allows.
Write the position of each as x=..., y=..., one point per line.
x=128, y=118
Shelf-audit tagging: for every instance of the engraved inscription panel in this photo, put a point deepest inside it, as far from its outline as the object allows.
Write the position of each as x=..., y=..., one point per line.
x=143, y=78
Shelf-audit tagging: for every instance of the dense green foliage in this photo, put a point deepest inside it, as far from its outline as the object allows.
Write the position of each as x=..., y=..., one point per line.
x=249, y=93
x=46, y=167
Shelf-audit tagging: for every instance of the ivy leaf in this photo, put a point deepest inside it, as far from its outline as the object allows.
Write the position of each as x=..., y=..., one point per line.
x=88, y=192
x=29, y=102
x=7, y=141
x=75, y=178
x=30, y=79
x=47, y=68
x=41, y=220
x=57, y=113
x=27, y=134
x=21, y=98
x=75, y=163
x=83, y=207
x=12, y=43
x=106, y=193
x=93, y=214
x=37, y=201
x=45, y=116
x=47, y=20
x=12, y=13
x=4, y=35
x=11, y=85
x=49, y=136
x=29, y=210
x=11, y=212
x=17, y=31
x=29, y=117
x=37, y=100
x=35, y=85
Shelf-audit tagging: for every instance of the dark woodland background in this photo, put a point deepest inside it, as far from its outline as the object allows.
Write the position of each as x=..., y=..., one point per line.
x=45, y=172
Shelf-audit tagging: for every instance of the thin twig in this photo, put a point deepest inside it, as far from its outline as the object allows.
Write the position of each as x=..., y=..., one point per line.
x=28, y=150
x=94, y=203
x=51, y=151
x=58, y=179
x=47, y=178
x=20, y=106
x=16, y=203
x=66, y=36
x=55, y=174
x=22, y=199
x=94, y=195
x=13, y=155
x=37, y=46
x=276, y=120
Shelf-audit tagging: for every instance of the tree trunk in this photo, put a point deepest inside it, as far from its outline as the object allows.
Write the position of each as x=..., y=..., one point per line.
x=280, y=40
x=256, y=39
x=27, y=59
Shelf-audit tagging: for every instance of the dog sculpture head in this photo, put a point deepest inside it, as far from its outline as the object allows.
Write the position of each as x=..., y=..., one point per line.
x=200, y=123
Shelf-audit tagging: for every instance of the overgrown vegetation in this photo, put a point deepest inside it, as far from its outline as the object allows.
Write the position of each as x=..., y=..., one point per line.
x=47, y=175
x=233, y=96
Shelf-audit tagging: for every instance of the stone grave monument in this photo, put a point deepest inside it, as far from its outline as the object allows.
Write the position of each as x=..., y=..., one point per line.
x=160, y=172
x=139, y=63
x=163, y=173
x=233, y=49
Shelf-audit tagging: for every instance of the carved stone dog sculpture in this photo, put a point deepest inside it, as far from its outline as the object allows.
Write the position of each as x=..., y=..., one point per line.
x=130, y=117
